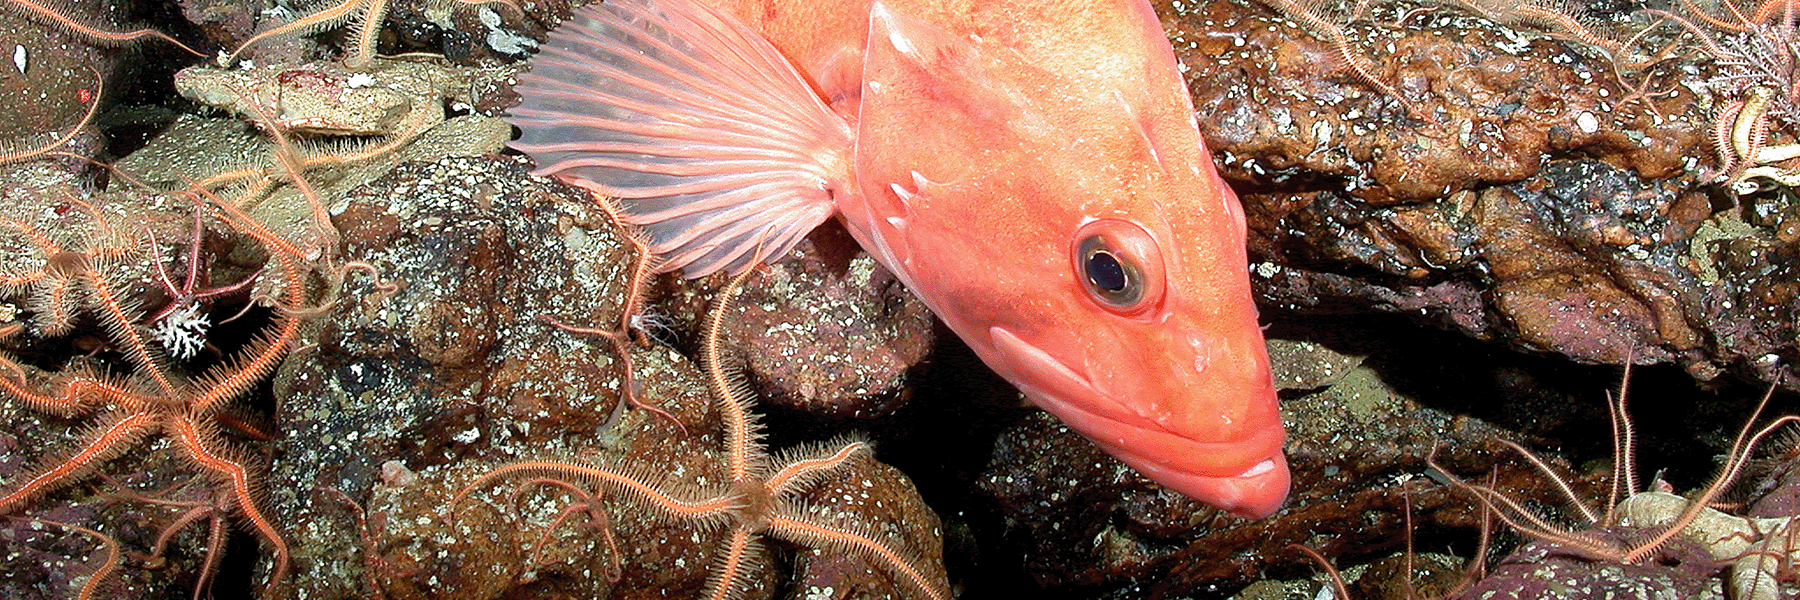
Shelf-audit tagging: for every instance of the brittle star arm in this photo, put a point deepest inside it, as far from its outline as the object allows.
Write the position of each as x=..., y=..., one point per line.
x=109, y=439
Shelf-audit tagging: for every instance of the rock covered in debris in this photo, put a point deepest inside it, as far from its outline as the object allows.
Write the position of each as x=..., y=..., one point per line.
x=1545, y=571
x=455, y=361
x=1511, y=187
x=831, y=332
x=414, y=392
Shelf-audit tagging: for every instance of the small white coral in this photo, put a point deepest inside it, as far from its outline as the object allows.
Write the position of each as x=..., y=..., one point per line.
x=182, y=332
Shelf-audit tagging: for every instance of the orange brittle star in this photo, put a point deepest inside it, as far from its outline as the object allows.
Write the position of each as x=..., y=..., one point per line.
x=156, y=397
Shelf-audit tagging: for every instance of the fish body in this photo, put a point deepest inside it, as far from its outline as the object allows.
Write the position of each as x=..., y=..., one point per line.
x=1031, y=169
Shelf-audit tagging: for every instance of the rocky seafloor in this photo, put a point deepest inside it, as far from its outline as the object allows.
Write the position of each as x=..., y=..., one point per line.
x=323, y=306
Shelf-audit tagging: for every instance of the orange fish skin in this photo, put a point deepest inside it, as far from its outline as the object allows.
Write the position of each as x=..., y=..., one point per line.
x=1034, y=172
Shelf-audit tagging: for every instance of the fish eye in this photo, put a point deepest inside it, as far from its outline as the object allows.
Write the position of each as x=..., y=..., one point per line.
x=1119, y=265
x=1107, y=277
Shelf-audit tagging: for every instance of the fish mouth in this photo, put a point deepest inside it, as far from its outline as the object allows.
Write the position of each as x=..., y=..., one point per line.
x=1247, y=476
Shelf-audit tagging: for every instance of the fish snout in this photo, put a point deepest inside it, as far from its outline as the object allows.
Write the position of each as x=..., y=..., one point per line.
x=1256, y=493
x=1219, y=444
x=1246, y=477
x=1232, y=455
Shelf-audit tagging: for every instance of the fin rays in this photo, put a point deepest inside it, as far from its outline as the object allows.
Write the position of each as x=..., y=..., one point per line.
x=717, y=148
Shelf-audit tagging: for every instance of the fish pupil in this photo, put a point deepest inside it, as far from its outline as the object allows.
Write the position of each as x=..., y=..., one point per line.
x=1117, y=263
x=1105, y=272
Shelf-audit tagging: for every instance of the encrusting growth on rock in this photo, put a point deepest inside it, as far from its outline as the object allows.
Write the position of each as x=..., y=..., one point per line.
x=54, y=14
x=632, y=328
x=757, y=500
x=365, y=20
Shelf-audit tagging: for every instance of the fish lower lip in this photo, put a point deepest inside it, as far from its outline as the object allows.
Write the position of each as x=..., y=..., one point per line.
x=1254, y=494
x=1262, y=467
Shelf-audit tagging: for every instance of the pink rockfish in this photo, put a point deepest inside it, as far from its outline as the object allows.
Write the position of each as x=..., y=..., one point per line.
x=1030, y=168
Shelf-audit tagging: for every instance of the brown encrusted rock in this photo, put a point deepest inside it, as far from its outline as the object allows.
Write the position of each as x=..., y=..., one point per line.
x=1778, y=494
x=413, y=394
x=510, y=538
x=1546, y=571
x=1512, y=188
x=1581, y=259
x=225, y=23
x=1480, y=104
x=828, y=331
x=466, y=32
x=457, y=362
x=473, y=32
x=831, y=332
x=52, y=77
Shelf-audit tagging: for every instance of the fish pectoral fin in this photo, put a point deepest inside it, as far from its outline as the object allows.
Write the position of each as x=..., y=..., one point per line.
x=712, y=142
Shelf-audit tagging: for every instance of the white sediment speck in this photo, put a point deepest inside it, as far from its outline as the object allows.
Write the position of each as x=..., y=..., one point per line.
x=1587, y=122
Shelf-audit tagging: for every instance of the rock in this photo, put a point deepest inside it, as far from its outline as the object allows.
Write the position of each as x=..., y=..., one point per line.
x=1545, y=571
x=480, y=253
x=53, y=76
x=1778, y=493
x=384, y=97
x=413, y=395
x=1568, y=267
x=1491, y=102
x=1308, y=365
x=226, y=23
x=835, y=335
x=1514, y=190
x=473, y=32
x=1358, y=449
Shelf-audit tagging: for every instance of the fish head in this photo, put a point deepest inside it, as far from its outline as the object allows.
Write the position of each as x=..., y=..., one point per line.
x=1054, y=205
